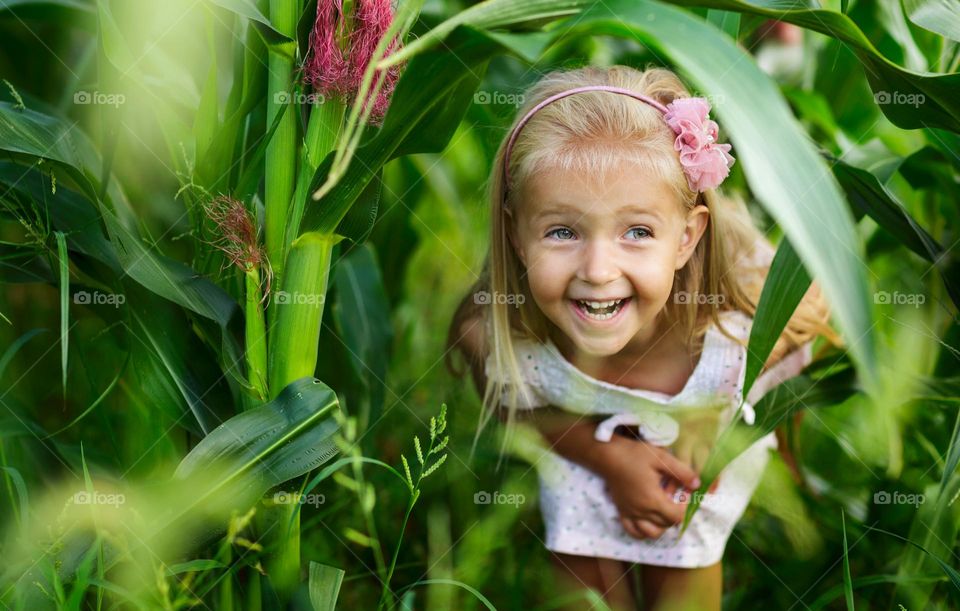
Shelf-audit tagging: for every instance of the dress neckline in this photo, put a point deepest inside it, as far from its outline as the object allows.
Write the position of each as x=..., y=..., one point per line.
x=654, y=395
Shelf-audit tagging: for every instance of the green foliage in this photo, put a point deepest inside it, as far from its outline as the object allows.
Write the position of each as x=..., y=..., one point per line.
x=167, y=352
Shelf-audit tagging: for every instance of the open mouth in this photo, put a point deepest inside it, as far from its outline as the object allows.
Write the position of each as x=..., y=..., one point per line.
x=600, y=310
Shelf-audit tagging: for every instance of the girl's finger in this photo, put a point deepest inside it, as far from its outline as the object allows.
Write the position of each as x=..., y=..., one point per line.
x=678, y=470
x=654, y=517
x=670, y=486
x=628, y=525
x=649, y=529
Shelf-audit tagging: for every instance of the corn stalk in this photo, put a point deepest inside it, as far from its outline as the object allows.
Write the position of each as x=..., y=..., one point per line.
x=281, y=157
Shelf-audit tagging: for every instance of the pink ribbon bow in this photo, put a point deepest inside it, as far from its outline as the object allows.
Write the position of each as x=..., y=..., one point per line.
x=705, y=162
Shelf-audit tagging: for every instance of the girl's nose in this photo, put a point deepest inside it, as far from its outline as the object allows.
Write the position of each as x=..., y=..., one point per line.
x=599, y=265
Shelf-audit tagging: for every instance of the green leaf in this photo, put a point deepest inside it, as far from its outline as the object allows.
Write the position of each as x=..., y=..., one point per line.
x=27, y=132
x=165, y=364
x=800, y=392
x=362, y=317
x=868, y=196
x=217, y=163
x=839, y=590
x=249, y=181
x=13, y=348
x=787, y=282
x=726, y=21
x=193, y=566
x=265, y=446
x=22, y=495
x=248, y=9
x=847, y=580
x=169, y=278
x=489, y=15
x=940, y=16
x=359, y=220
x=324, y=586
x=932, y=533
x=953, y=455
x=64, y=306
x=80, y=13
x=940, y=106
x=97, y=401
x=483, y=599
x=358, y=537
x=206, y=123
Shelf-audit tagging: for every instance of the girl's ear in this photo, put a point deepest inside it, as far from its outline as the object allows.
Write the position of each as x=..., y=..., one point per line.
x=510, y=221
x=696, y=224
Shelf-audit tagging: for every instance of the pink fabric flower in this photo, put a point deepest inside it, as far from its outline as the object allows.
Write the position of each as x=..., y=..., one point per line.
x=705, y=162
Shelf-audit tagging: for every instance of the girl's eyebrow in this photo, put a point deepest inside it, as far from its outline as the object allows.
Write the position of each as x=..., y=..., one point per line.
x=560, y=209
x=556, y=210
x=636, y=209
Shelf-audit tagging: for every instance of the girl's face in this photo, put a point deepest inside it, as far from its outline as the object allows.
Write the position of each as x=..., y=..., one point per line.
x=601, y=251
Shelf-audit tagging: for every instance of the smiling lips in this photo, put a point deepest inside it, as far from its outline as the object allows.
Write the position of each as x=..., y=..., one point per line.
x=600, y=310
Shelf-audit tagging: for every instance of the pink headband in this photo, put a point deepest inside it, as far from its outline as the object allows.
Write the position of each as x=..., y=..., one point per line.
x=704, y=162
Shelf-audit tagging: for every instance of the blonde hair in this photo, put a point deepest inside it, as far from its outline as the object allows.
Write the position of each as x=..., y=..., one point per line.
x=596, y=131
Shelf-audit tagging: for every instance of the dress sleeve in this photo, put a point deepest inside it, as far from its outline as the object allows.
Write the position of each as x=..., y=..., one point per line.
x=788, y=367
x=528, y=395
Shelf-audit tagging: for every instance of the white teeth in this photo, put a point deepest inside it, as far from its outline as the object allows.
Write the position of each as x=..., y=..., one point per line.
x=586, y=306
x=596, y=305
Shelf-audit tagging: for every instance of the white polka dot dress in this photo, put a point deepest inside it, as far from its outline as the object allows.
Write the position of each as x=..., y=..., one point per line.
x=578, y=513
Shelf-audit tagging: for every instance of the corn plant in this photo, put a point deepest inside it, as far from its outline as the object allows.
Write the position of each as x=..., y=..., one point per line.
x=276, y=146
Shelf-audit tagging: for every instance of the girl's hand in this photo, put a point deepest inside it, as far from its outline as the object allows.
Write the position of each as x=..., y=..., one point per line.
x=634, y=471
x=698, y=434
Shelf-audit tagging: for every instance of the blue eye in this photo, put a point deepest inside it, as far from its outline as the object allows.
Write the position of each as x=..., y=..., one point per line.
x=645, y=232
x=566, y=232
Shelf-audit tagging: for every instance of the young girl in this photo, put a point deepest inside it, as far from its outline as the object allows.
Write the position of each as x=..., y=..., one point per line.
x=614, y=312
